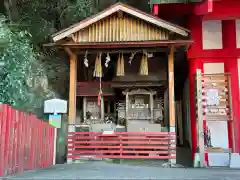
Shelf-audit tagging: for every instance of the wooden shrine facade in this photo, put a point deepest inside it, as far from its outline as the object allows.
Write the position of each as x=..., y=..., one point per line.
x=124, y=28
x=120, y=29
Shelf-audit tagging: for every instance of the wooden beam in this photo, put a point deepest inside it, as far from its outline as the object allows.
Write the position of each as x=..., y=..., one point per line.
x=72, y=86
x=69, y=52
x=171, y=87
x=123, y=45
x=172, y=118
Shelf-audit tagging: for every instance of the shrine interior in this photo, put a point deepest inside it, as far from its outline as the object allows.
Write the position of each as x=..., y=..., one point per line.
x=139, y=77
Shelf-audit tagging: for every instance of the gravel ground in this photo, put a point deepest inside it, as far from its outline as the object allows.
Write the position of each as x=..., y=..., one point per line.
x=103, y=170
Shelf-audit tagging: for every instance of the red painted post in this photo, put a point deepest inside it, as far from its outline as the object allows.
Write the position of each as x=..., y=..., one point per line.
x=7, y=141
x=21, y=143
x=2, y=138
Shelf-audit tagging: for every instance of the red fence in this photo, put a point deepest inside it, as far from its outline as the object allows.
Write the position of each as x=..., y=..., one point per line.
x=124, y=145
x=25, y=142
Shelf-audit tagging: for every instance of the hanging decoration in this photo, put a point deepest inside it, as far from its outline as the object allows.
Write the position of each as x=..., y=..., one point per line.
x=131, y=57
x=120, y=65
x=108, y=59
x=85, y=59
x=144, y=65
x=98, y=66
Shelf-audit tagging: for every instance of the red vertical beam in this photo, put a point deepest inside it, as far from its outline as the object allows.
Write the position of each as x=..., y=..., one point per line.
x=41, y=145
x=35, y=144
x=18, y=142
x=24, y=150
x=8, y=141
x=44, y=150
x=51, y=140
x=32, y=141
x=229, y=34
x=195, y=26
x=231, y=66
x=203, y=8
x=230, y=43
x=21, y=142
x=50, y=145
x=3, y=118
x=38, y=145
x=155, y=9
x=28, y=140
x=15, y=141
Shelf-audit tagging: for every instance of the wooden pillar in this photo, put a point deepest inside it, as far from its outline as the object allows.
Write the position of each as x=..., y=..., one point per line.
x=84, y=108
x=127, y=104
x=102, y=108
x=72, y=87
x=72, y=97
x=172, y=117
x=151, y=107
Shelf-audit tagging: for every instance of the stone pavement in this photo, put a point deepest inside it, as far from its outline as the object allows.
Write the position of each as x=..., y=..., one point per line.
x=104, y=170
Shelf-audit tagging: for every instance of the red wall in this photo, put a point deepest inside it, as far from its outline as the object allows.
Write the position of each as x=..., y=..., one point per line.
x=227, y=10
x=228, y=55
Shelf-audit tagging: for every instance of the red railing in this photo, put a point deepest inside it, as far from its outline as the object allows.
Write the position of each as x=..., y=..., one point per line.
x=122, y=145
x=25, y=142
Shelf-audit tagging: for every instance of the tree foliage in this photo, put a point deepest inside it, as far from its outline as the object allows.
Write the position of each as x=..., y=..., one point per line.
x=31, y=73
x=23, y=80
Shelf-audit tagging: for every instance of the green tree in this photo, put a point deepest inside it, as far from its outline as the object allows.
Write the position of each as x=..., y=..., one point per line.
x=23, y=82
x=31, y=73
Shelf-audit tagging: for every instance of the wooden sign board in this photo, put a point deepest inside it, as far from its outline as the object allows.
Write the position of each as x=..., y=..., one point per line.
x=55, y=106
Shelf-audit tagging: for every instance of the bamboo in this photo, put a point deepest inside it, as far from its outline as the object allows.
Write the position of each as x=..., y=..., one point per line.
x=114, y=28
x=124, y=28
x=77, y=36
x=99, y=31
x=153, y=33
x=89, y=33
x=107, y=26
x=164, y=35
x=93, y=35
x=131, y=28
x=145, y=32
x=149, y=32
x=80, y=34
x=117, y=28
x=120, y=28
x=138, y=29
x=157, y=34
x=135, y=29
